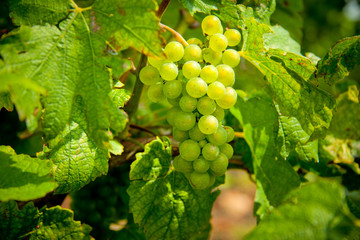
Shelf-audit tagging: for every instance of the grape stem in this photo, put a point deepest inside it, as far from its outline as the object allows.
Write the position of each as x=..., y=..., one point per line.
x=162, y=7
x=177, y=35
x=239, y=134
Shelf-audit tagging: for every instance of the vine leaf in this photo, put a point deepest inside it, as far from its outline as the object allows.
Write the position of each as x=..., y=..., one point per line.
x=23, y=178
x=162, y=201
x=204, y=6
x=279, y=38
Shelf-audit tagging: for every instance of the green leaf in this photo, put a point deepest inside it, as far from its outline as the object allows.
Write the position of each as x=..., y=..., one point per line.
x=342, y=57
x=78, y=159
x=353, y=201
x=204, y=6
x=305, y=215
x=5, y=102
x=36, y=12
x=58, y=223
x=23, y=178
x=280, y=39
x=163, y=202
x=15, y=223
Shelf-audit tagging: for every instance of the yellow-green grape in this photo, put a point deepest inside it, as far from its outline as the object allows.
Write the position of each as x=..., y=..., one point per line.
x=230, y=133
x=218, y=42
x=219, y=137
x=193, y=53
x=195, y=134
x=196, y=87
x=180, y=135
x=200, y=165
x=210, y=151
x=182, y=165
x=212, y=57
x=208, y=124
x=231, y=57
x=172, y=89
x=184, y=121
x=174, y=101
x=168, y=71
x=233, y=36
x=229, y=98
x=189, y=150
x=174, y=51
x=206, y=105
x=155, y=62
x=211, y=25
x=226, y=75
x=216, y=90
x=199, y=180
x=187, y=103
x=149, y=75
x=191, y=69
x=172, y=114
x=209, y=73
x=155, y=92
x=202, y=143
x=195, y=41
x=219, y=165
x=219, y=113
x=227, y=149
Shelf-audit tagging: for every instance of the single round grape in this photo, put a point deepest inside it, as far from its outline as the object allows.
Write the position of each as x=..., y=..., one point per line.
x=202, y=143
x=229, y=98
x=210, y=56
x=174, y=51
x=208, y=124
x=180, y=135
x=195, y=134
x=219, y=137
x=182, y=165
x=231, y=57
x=184, y=121
x=227, y=149
x=196, y=87
x=172, y=89
x=187, y=103
x=169, y=71
x=206, y=105
x=226, y=75
x=200, y=165
x=191, y=69
x=192, y=53
x=189, y=150
x=155, y=62
x=218, y=42
x=172, y=114
x=233, y=36
x=155, y=92
x=230, y=133
x=199, y=180
x=216, y=90
x=219, y=165
x=149, y=75
x=219, y=113
x=211, y=25
x=209, y=73
x=195, y=41
x=210, y=151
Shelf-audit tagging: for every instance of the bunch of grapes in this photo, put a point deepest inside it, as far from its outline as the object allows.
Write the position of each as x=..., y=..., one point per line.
x=197, y=80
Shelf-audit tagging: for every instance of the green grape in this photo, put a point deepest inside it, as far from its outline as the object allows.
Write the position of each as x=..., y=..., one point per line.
x=189, y=150
x=195, y=41
x=174, y=51
x=211, y=25
x=227, y=149
x=231, y=57
x=155, y=92
x=219, y=113
x=172, y=114
x=149, y=75
x=218, y=42
x=180, y=135
x=172, y=89
x=219, y=137
x=216, y=90
x=209, y=73
x=199, y=180
x=233, y=36
x=182, y=165
x=187, y=103
x=212, y=180
x=206, y=105
x=210, y=56
x=169, y=71
x=202, y=143
x=196, y=87
x=174, y=101
x=155, y=62
x=184, y=121
x=219, y=165
x=226, y=75
x=230, y=133
x=229, y=98
x=200, y=165
x=210, y=151
x=195, y=133
x=208, y=124
x=191, y=69
x=193, y=53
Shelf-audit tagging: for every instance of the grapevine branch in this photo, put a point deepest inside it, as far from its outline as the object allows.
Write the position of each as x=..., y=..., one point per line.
x=177, y=35
x=163, y=5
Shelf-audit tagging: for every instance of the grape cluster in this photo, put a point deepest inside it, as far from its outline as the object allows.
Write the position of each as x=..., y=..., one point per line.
x=197, y=80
